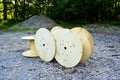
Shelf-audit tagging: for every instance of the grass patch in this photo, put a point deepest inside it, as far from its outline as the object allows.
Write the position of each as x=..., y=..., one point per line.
x=20, y=29
x=112, y=23
x=3, y=27
x=5, y=24
x=116, y=29
x=99, y=24
x=70, y=25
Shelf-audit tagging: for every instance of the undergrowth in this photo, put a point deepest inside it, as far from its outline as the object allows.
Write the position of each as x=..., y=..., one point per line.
x=5, y=25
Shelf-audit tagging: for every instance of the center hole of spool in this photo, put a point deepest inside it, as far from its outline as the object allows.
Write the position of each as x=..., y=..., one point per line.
x=43, y=44
x=65, y=48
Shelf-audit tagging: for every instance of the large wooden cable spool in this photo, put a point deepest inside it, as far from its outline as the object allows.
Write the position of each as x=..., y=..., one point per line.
x=68, y=48
x=87, y=42
x=45, y=44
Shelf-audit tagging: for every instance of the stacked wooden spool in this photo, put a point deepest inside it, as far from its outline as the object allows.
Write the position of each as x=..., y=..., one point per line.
x=68, y=46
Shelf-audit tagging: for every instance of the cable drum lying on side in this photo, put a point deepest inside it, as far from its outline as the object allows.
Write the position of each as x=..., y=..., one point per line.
x=87, y=42
x=68, y=48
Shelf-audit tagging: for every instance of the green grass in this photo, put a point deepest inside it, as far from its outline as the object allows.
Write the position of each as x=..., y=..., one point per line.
x=19, y=29
x=104, y=23
x=3, y=27
x=70, y=25
x=116, y=29
x=7, y=24
x=113, y=23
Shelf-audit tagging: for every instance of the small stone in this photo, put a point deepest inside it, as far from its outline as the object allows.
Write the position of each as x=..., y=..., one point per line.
x=3, y=67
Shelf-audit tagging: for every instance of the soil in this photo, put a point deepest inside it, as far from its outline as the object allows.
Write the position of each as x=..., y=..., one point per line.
x=103, y=65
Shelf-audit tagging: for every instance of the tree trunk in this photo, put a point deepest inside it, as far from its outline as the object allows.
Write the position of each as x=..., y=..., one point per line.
x=5, y=9
x=54, y=3
x=15, y=13
x=24, y=10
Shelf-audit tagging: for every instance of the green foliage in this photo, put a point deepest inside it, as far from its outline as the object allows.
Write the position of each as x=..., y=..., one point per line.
x=69, y=25
x=72, y=11
x=83, y=11
x=2, y=27
x=116, y=23
x=7, y=24
x=20, y=29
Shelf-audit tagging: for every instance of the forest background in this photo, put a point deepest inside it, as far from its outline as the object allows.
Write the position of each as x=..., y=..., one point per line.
x=70, y=11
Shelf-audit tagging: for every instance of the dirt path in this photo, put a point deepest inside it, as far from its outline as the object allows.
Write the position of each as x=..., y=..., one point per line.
x=103, y=65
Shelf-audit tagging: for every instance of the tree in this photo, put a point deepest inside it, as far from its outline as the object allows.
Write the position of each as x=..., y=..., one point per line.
x=5, y=9
x=16, y=9
x=74, y=11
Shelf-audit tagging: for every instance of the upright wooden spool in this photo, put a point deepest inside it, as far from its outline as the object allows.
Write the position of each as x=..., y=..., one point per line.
x=32, y=52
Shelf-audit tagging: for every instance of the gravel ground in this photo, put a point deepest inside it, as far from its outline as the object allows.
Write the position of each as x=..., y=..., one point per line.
x=36, y=21
x=103, y=65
